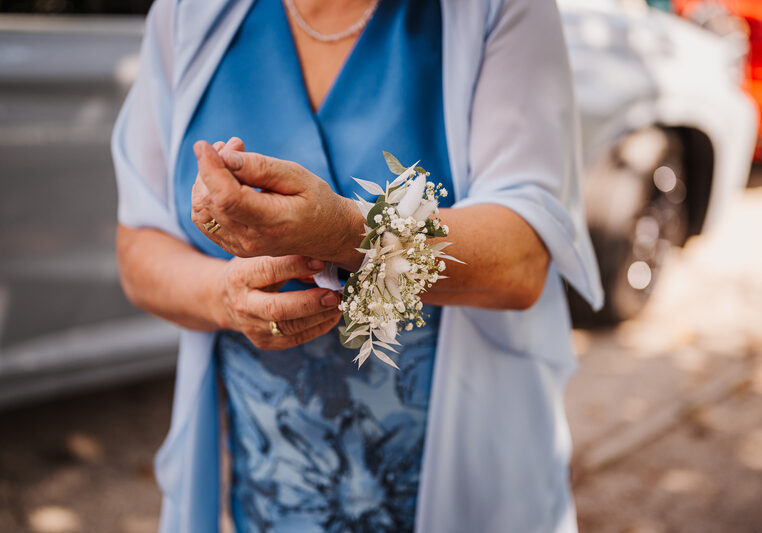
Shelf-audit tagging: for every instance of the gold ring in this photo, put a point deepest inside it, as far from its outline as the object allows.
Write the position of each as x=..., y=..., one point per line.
x=211, y=226
x=274, y=329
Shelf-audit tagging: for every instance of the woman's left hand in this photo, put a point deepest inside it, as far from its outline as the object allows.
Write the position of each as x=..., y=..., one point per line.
x=294, y=212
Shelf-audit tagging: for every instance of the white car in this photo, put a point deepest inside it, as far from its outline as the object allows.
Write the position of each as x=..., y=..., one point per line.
x=667, y=139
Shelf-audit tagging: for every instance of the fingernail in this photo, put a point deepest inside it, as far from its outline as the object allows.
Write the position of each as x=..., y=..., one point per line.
x=329, y=299
x=197, y=148
x=315, y=264
x=232, y=160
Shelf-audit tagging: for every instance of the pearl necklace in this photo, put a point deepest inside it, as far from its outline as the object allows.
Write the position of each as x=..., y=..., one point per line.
x=332, y=37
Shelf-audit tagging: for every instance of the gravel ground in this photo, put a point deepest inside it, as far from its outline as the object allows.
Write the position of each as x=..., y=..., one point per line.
x=666, y=410
x=83, y=464
x=703, y=477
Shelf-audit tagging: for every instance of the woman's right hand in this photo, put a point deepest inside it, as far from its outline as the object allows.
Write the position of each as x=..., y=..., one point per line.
x=249, y=301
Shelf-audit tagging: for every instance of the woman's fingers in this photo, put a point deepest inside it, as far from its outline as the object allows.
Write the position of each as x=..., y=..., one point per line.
x=298, y=325
x=229, y=198
x=267, y=271
x=202, y=213
x=199, y=213
x=203, y=208
x=282, y=306
x=289, y=341
x=269, y=173
x=235, y=143
x=215, y=175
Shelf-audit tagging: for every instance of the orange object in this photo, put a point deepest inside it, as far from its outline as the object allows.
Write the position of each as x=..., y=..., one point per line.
x=751, y=12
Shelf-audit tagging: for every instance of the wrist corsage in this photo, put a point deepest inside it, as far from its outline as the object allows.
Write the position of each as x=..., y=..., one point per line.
x=383, y=297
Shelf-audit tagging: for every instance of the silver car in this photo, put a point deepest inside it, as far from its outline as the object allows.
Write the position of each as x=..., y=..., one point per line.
x=667, y=141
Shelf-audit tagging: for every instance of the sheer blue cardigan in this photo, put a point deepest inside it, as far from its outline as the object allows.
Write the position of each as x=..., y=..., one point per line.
x=497, y=446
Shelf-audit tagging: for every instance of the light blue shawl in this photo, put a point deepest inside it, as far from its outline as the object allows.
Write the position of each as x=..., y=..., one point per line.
x=497, y=446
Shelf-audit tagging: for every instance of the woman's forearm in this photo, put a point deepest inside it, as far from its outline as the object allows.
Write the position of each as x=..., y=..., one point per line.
x=506, y=261
x=169, y=278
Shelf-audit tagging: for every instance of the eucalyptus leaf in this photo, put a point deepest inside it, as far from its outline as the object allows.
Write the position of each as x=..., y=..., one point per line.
x=365, y=244
x=353, y=344
x=431, y=231
x=377, y=209
x=393, y=163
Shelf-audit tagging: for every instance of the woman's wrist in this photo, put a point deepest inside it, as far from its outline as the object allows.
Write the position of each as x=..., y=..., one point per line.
x=213, y=300
x=350, y=235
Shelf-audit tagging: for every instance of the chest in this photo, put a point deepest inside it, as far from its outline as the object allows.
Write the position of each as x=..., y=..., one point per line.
x=321, y=62
x=386, y=95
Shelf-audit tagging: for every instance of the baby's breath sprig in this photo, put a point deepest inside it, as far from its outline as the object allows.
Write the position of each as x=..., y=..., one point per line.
x=383, y=297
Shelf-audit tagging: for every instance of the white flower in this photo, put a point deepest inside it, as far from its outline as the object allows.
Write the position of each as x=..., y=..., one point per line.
x=425, y=210
x=384, y=295
x=412, y=198
x=388, y=332
x=391, y=240
x=397, y=265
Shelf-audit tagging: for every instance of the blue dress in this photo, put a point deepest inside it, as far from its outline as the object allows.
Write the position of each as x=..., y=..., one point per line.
x=318, y=445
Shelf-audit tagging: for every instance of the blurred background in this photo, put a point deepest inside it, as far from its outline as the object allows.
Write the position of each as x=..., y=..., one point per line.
x=666, y=409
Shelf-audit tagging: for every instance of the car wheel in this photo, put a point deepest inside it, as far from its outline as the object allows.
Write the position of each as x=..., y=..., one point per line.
x=636, y=210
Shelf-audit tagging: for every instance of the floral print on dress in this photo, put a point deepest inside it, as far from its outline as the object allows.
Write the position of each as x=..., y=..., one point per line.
x=321, y=446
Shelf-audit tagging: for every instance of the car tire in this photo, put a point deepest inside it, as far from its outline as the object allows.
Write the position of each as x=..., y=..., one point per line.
x=637, y=211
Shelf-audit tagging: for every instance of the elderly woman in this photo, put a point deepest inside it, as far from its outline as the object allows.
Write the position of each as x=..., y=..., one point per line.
x=223, y=239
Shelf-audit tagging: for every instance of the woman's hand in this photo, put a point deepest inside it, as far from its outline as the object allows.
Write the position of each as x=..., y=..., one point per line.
x=294, y=212
x=249, y=301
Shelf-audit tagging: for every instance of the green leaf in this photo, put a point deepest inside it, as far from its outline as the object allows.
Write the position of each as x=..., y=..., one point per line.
x=431, y=231
x=393, y=163
x=355, y=343
x=420, y=170
x=351, y=282
x=377, y=209
x=365, y=244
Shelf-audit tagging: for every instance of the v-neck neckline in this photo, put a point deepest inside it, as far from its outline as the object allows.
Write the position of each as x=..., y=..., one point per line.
x=342, y=73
